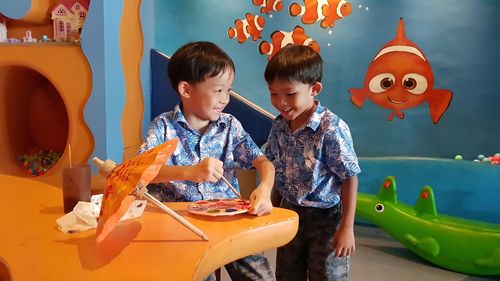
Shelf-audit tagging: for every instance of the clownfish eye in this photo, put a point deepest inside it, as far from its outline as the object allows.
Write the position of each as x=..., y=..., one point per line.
x=381, y=82
x=415, y=83
x=379, y=208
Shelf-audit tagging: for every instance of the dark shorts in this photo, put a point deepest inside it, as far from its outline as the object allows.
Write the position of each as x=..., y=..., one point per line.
x=250, y=268
x=310, y=253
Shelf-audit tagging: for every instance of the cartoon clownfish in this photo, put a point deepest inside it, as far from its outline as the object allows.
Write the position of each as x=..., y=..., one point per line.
x=400, y=77
x=326, y=10
x=252, y=25
x=269, y=5
x=282, y=38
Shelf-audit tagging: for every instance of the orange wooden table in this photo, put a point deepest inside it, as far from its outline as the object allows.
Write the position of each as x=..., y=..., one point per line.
x=153, y=247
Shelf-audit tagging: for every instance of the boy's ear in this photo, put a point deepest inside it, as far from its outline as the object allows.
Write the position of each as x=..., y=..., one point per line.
x=316, y=88
x=184, y=89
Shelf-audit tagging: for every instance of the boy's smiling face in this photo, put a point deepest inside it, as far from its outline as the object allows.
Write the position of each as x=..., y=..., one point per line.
x=294, y=100
x=204, y=101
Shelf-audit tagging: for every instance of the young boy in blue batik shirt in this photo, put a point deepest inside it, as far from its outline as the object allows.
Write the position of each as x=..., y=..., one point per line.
x=316, y=167
x=210, y=142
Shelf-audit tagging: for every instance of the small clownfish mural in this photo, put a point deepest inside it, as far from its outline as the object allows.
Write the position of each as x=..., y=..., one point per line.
x=269, y=5
x=280, y=39
x=326, y=11
x=399, y=78
x=250, y=26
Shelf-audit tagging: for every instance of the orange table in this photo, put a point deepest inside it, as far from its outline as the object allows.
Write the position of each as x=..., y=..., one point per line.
x=153, y=247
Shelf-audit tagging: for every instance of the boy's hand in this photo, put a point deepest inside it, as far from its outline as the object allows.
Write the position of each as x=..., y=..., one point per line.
x=209, y=169
x=343, y=242
x=260, y=202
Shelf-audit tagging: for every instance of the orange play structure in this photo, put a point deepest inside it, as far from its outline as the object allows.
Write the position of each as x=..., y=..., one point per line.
x=146, y=248
x=45, y=88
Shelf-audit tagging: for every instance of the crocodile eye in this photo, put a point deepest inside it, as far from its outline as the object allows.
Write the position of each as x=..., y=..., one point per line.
x=379, y=208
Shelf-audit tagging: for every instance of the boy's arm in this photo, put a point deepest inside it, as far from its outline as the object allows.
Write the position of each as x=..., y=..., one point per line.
x=260, y=199
x=210, y=169
x=343, y=240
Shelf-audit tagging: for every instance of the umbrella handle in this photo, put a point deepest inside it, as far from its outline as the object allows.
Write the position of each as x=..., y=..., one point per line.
x=176, y=216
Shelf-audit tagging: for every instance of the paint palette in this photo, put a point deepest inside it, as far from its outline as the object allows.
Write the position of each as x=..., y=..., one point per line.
x=219, y=207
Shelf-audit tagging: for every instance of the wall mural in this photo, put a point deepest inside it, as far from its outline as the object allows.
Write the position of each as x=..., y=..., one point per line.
x=399, y=78
x=324, y=11
x=459, y=51
x=280, y=39
x=251, y=26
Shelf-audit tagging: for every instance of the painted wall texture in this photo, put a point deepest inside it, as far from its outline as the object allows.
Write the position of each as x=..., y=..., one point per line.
x=457, y=38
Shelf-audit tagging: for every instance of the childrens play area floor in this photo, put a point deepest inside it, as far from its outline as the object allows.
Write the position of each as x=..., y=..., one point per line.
x=380, y=258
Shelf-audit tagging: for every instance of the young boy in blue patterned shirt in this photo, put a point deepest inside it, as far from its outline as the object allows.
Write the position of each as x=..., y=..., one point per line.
x=210, y=142
x=316, y=167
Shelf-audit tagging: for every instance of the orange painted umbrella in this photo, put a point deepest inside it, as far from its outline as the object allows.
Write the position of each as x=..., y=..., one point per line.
x=127, y=181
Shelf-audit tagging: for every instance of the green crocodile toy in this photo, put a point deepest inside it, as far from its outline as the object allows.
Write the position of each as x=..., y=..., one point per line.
x=461, y=245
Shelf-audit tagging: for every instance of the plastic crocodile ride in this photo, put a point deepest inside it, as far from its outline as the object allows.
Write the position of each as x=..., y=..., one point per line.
x=461, y=245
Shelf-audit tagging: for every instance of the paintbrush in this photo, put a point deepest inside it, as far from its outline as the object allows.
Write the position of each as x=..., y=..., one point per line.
x=233, y=189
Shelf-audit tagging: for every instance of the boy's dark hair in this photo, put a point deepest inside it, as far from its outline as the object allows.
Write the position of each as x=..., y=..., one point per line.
x=196, y=61
x=295, y=63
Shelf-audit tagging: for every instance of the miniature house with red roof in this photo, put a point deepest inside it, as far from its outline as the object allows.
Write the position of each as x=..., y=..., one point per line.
x=3, y=28
x=68, y=17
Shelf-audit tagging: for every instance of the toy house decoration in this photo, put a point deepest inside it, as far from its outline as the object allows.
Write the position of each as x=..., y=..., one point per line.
x=3, y=28
x=68, y=17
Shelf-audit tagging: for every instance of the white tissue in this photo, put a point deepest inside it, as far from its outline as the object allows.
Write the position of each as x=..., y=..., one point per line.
x=84, y=215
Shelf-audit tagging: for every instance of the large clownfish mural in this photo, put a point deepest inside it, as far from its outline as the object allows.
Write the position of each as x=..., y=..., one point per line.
x=280, y=39
x=269, y=5
x=250, y=26
x=399, y=78
x=326, y=11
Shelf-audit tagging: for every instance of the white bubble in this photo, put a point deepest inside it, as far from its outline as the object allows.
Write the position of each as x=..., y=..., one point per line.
x=366, y=8
x=330, y=32
x=271, y=16
x=328, y=44
x=360, y=6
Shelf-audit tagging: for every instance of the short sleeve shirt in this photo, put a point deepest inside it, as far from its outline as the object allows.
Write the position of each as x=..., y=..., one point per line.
x=224, y=139
x=311, y=162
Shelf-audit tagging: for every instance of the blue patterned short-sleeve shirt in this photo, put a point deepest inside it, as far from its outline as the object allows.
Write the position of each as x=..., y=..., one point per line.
x=224, y=139
x=312, y=162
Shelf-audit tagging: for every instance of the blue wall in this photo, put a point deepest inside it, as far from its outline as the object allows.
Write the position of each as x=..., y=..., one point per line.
x=462, y=188
x=101, y=45
x=457, y=36
x=15, y=9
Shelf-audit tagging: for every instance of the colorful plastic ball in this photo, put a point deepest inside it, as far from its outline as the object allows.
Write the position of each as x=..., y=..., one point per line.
x=459, y=157
x=480, y=157
x=477, y=160
x=486, y=160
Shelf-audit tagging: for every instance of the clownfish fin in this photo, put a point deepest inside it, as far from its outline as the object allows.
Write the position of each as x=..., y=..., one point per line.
x=358, y=96
x=265, y=48
x=231, y=32
x=439, y=101
x=295, y=10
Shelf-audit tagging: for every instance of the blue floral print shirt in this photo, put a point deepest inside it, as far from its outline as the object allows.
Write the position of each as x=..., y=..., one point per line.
x=312, y=162
x=224, y=139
